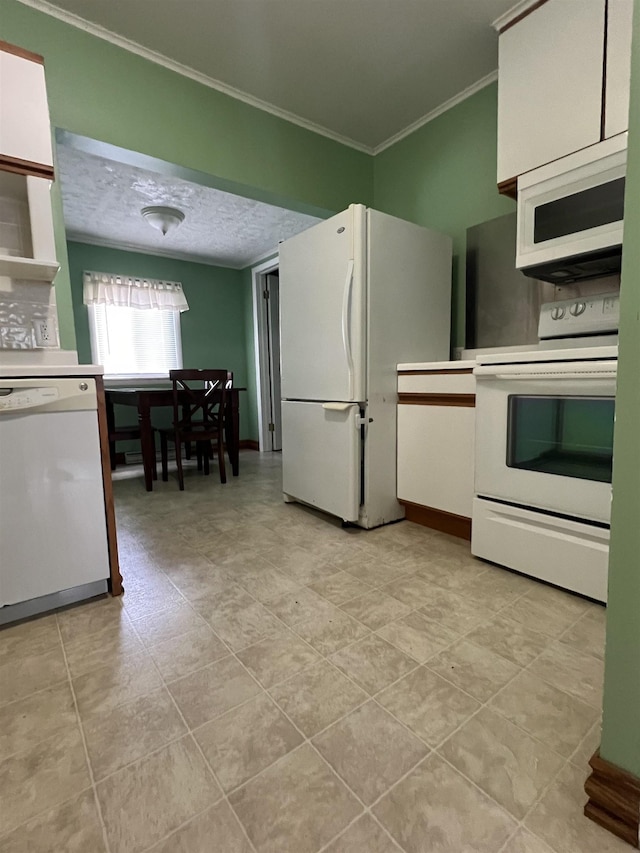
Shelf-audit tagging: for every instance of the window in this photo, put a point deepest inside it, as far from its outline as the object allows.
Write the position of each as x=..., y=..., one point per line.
x=135, y=340
x=134, y=323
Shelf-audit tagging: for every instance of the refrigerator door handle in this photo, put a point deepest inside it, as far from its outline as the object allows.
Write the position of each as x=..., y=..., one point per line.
x=338, y=407
x=346, y=339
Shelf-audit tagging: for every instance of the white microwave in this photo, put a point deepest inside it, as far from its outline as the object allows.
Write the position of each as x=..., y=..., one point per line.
x=570, y=214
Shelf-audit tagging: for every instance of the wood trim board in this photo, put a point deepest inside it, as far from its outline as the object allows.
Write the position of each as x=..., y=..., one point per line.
x=21, y=51
x=411, y=398
x=248, y=444
x=614, y=799
x=438, y=519
x=509, y=188
x=521, y=16
x=25, y=167
x=115, y=582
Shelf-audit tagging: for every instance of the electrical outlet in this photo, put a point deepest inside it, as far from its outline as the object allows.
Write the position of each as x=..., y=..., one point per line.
x=45, y=333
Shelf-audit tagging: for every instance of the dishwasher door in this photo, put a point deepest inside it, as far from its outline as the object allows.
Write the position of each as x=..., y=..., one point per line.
x=52, y=514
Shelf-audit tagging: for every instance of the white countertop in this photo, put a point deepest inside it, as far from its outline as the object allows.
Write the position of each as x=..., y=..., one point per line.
x=437, y=365
x=26, y=371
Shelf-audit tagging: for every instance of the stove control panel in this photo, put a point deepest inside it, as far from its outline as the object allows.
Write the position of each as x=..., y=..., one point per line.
x=583, y=315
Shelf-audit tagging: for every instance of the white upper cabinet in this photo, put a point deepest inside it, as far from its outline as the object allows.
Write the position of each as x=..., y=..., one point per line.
x=25, y=132
x=550, y=84
x=616, y=101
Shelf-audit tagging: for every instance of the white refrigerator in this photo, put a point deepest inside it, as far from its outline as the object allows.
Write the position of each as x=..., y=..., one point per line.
x=359, y=293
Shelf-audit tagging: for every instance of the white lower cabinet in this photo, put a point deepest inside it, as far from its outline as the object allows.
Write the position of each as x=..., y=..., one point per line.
x=436, y=425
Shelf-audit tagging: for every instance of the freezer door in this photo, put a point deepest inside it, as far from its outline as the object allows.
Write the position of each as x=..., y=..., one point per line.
x=321, y=456
x=322, y=306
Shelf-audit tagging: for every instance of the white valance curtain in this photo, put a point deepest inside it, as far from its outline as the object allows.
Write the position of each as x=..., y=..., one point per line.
x=102, y=288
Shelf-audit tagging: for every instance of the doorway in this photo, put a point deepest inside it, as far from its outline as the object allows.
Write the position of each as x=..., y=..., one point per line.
x=266, y=313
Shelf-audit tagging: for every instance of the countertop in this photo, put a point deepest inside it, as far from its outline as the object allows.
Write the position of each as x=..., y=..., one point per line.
x=27, y=371
x=437, y=365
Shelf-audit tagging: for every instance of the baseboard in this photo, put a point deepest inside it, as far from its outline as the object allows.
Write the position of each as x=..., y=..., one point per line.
x=249, y=444
x=438, y=519
x=614, y=799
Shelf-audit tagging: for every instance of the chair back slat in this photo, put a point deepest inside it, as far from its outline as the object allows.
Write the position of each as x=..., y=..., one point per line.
x=199, y=398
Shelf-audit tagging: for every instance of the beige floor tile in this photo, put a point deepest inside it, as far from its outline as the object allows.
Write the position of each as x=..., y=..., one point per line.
x=373, y=663
x=455, y=612
x=587, y=747
x=245, y=627
x=374, y=570
x=299, y=606
x=375, y=609
x=549, y=714
x=340, y=587
x=317, y=697
x=116, y=642
x=574, y=672
x=560, y=821
x=302, y=565
x=512, y=640
x=436, y=809
x=124, y=734
x=418, y=636
x=588, y=633
x=275, y=658
x=72, y=827
x=370, y=750
x=500, y=758
x=496, y=588
x=79, y=622
x=412, y=590
x=364, y=836
x=329, y=631
x=25, y=675
x=211, y=691
x=548, y=610
x=477, y=671
x=264, y=582
x=525, y=842
x=451, y=572
x=40, y=716
x=244, y=741
x=218, y=825
x=430, y=706
x=295, y=806
x=188, y=652
x=233, y=599
x=144, y=802
x=175, y=621
x=28, y=639
x=116, y=683
x=42, y=776
x=201, y=579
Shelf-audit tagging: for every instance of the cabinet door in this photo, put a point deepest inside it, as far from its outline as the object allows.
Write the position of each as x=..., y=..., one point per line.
x=435, y=456
x=616, y=102
x=550, y=85
x=25, y=132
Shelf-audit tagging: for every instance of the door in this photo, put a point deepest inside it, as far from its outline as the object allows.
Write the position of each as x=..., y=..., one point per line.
x=272, y=298
x=618, y=76
x=321, y=459
x=322, y=302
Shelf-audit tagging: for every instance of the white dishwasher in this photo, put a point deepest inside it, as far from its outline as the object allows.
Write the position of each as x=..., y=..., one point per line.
x=53, y=538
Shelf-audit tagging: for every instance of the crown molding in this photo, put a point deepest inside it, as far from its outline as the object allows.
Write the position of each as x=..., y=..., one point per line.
x=438, y=111
x=159, y=59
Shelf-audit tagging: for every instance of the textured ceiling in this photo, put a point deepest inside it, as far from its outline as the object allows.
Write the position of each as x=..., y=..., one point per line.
x=102, y=202
x=361, y=69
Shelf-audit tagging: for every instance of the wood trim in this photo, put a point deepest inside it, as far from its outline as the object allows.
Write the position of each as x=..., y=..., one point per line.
x=521, y=16
x=509, y=188
x=438, y=519
x=614, y=799
x=21, y=51
x=248, y=444
x=451, y=372
x=25, y=167
x=115, y=582
x=410, y=398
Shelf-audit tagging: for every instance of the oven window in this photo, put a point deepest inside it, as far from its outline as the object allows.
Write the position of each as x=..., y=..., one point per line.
x=567, y=436
x=581, y=211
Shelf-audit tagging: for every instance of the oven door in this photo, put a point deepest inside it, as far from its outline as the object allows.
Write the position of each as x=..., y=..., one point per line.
x=544, y=436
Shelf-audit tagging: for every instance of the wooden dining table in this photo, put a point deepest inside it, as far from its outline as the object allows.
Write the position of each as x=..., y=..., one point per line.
x=146, y=398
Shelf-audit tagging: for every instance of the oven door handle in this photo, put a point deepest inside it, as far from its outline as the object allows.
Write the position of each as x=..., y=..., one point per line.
x=593, y=370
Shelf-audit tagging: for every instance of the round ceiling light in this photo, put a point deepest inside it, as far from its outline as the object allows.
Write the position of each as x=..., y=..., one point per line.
x=163, y=218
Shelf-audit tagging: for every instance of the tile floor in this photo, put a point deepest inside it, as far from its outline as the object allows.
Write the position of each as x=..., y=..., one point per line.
x=271, y=683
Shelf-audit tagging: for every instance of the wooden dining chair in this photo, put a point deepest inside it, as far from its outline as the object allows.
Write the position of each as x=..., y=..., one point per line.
x=199, y=403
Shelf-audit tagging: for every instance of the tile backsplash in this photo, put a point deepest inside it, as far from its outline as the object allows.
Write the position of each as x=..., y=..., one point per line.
x=28, y=315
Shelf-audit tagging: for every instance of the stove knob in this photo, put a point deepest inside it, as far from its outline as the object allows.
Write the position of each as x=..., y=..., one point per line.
x=577, y=308
x=557, y=313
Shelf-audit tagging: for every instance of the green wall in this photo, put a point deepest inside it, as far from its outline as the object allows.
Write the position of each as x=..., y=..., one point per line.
x=106, y=93
x=444, y=176
x=213, y=329
x=621, y=720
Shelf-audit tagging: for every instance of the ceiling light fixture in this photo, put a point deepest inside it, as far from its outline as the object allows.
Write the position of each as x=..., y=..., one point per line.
x=163, y=218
